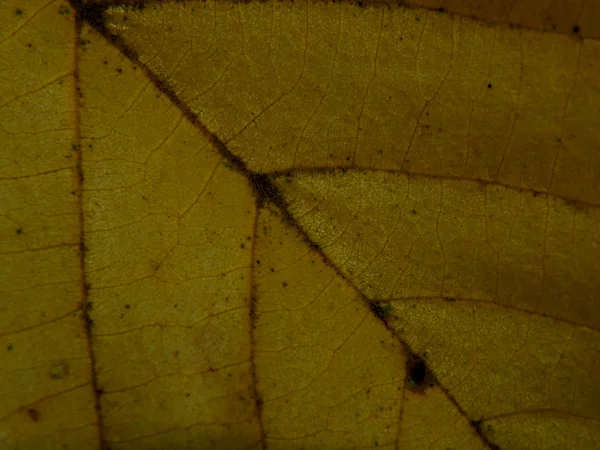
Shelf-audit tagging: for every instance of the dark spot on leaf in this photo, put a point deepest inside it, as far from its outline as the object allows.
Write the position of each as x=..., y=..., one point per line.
x=93, y=14
x=18, y=11
x=10, y=347
x=284, y=284
x=489, y=85
x=34, y=414
x=381, y=310
x=265, y=190
x=127, y=306
x=418, y=376
x=19, y=230
x=242, y=245
x=576, y=29
x=119, y=70
x=417, y=372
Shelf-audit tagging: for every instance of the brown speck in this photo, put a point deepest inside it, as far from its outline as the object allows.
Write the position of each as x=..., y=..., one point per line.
x=576, y=29
x=419, y=378
x=284, y=284
x=119, y=70
x=489, y=85
x=34, y=414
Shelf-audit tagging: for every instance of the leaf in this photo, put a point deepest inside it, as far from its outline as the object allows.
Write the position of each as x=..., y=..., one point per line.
x=299, y=225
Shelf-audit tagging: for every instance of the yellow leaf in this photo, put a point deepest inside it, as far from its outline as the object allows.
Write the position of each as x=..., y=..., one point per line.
x=299, y=225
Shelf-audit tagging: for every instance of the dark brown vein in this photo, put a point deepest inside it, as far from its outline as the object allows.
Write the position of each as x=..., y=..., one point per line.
x=85, y=304
x=253, y=299
x=578, y=204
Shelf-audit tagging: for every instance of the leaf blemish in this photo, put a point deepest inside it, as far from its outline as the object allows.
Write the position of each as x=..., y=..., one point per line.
x=381, y=310
x=33, y=414
x=418, y=375
x=265, y=190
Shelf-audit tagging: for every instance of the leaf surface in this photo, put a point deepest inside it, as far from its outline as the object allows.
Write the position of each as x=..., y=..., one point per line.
x=300, y=225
